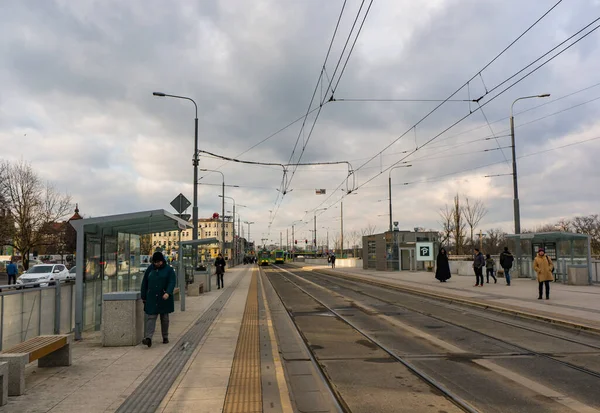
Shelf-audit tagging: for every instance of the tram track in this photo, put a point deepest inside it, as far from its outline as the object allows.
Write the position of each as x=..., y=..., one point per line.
x=455, y=399
x=522, y=348
x=341, y=288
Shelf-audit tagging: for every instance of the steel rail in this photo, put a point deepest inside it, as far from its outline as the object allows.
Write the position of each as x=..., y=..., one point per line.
x=525, y=349
x=454, y=398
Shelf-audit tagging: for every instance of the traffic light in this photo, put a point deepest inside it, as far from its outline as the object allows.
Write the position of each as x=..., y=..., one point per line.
x=306, y=241
x=295, y=241
x=315, y=241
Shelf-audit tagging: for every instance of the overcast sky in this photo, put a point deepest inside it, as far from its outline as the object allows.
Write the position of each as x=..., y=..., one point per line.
x=76, y=102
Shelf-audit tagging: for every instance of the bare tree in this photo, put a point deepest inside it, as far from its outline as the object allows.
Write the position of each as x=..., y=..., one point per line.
x=447, y=223
x=473, y=212
x=354, y=237
x=495, y=241
x=589, y=225
x=31, y=206
x=368, y=230
x=458, y=230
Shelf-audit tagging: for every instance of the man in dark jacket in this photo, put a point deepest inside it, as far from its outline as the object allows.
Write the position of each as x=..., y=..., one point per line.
x=12, y=271
x=220, y=269
x=506, y=262
x=478, y=264
x=157, y=294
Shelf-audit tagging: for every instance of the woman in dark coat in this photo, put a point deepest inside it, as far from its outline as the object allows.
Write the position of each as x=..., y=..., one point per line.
x=442, y=271
x=157, y=294
x=220, y=269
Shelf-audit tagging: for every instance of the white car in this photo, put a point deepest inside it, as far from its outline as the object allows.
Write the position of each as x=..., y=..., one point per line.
x=143, y=267
x=43, y=275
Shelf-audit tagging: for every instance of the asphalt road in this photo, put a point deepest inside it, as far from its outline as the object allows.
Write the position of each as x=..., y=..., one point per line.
x=494, y=363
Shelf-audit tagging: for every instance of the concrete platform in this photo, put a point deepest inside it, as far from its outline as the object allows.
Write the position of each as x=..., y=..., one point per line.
x=236, y=365
x=574, y=306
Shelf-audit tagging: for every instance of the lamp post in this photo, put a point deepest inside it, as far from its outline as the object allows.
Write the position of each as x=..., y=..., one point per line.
x=222, y=207
x=517, y=212
x=249, y=223
x=195, y=163
x=315, y=226
x=390, y=189
x=232, y=222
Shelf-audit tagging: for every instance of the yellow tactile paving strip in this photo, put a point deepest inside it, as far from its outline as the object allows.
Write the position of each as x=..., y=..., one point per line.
x=244, y=393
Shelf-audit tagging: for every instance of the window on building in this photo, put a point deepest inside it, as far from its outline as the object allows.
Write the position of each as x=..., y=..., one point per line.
x=155, y=242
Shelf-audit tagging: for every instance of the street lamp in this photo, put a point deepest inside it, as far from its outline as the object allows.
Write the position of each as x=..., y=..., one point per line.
x=517, y=212
x=315, y=225
x=249, y=223
x=233, y=226
x=390, y=189
x=222, y=207
x=194, y=162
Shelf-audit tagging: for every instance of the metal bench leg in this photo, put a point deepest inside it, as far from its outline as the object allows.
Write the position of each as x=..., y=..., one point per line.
x=3, y=383
x=16, y=372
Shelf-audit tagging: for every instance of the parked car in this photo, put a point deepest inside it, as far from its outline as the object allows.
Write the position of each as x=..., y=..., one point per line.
x=72, y=274
x=43, y=275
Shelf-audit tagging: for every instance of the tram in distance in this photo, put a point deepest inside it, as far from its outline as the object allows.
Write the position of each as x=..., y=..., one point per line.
x=264, y=257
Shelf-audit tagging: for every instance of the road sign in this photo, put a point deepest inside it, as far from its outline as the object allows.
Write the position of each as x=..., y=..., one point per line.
x=180, y=203
x=185, y=217
x=424, y=251
x=320, y=191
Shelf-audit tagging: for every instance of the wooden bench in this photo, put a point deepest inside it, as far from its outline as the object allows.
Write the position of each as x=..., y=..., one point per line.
x=49, y=351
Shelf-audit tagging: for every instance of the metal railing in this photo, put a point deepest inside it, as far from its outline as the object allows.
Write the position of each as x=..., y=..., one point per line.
x=28, y=310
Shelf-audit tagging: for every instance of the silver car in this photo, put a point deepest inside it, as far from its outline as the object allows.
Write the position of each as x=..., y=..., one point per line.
x=43, y=275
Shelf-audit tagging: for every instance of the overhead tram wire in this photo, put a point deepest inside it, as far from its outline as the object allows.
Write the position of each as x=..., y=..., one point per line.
x=319, y=80
x=305, y=143
x=497, y=95
x=463, y=85
x=490, y=100
x=436, y=178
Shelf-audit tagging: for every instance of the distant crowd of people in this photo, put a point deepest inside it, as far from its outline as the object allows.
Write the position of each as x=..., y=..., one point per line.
x=542, y=265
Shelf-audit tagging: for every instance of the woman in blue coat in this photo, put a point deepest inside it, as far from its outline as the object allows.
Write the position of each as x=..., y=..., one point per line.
x=157, y=294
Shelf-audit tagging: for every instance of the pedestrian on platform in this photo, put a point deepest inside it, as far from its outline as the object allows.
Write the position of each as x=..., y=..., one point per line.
x=506, y=262
x=157, y=294
x=542, y=264
x=442, y=270
x=220, y=270
x=490, y=265
x=478, y=264
x=332, y=260
x=12, y=271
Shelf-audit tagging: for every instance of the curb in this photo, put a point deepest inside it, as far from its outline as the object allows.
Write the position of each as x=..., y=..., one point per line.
x=462, y=301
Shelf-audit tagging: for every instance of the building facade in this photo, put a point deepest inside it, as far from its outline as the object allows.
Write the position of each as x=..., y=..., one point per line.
x=207, y=228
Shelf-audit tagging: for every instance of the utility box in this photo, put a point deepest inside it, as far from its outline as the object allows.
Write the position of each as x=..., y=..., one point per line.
x=577, y=275
x=122, y=319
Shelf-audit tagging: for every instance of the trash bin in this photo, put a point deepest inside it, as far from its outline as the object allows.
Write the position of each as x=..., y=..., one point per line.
x=122, y=319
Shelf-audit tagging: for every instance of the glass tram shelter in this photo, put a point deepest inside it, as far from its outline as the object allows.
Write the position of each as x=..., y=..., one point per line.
x=565, y=249
x=108, y=259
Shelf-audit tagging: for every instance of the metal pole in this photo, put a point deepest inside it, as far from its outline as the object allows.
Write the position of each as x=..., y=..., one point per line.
x=342, y=229
x=239, y=241
x=315, y=232
x=234, y=250
x=181, y=277
x=79, y=280
x=517, y=212
x=390, y=198
x=223, y=218
x=195, y=206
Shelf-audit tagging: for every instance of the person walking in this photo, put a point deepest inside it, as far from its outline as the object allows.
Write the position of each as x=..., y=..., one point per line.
x=506, y=262
x=332, y=260
x=220, y=270
x=478, y=264
x=442, y=270
x=489, y=268
x=157, y=294
x=12, y=271
x=542, y=264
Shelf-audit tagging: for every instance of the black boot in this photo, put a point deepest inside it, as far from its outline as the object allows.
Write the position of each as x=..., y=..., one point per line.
x=165, y=340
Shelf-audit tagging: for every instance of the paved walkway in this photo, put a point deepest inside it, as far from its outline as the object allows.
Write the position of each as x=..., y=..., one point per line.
x=202, y=385
x=579, y=304
x=101, y=378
